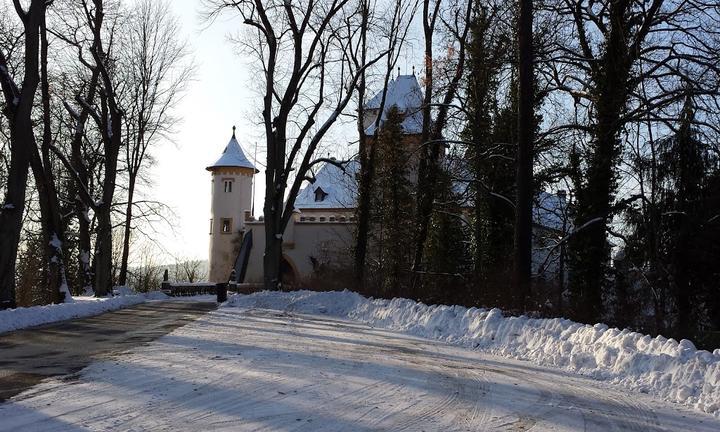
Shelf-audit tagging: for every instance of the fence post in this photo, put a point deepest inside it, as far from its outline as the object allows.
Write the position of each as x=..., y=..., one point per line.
x=221, y=291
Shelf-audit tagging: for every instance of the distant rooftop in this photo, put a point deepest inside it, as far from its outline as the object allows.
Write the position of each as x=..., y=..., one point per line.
x=338, y=189
x=333, y=188
x=403, y=92
x=232, y=157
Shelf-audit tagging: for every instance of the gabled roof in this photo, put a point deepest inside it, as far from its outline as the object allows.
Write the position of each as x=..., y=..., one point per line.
x=405, y=93
x=340, y=187
x=232, y=157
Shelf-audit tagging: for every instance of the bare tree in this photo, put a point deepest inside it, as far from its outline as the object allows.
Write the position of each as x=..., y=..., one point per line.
x=43, y=167
x=623, y=62
x=397, y=30
x=316, y=38
x=456, y=21
x=108, y=115
x=189, y=270
x=156, y=70
x=18, y=106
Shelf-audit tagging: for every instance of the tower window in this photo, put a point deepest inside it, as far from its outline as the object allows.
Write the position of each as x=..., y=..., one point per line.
x=210, y=226
x=228, y=185
x=226, y=226
x=320, y=194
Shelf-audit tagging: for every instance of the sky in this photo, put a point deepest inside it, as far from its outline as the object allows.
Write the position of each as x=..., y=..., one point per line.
x=217, y=98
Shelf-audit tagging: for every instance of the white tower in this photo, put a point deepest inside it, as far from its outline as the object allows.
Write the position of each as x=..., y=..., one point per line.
x=232, y=177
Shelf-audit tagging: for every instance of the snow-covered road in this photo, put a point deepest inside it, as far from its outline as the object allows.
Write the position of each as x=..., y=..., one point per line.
x=258, y=369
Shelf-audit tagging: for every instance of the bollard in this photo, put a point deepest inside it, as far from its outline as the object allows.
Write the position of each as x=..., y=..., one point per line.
x=221, y=291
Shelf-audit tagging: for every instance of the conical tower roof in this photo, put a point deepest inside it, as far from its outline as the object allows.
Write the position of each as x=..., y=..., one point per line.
x=232, y=157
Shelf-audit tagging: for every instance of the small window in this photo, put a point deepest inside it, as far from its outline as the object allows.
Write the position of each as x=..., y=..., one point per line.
x=226, y=226
x=320, y=194
x=228, y=185
x=210, y=226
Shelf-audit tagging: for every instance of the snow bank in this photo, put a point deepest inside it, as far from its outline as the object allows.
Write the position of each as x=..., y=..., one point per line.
x=675, y=371
x=82, y=306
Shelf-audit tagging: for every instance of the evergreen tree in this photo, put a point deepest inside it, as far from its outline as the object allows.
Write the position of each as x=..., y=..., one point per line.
x=487, y=53
x=393, y=205
x=674, y=238
x=447, y=249
x=499, y=172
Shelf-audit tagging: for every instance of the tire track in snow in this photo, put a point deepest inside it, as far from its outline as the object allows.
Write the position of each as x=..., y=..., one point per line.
x=263, y=370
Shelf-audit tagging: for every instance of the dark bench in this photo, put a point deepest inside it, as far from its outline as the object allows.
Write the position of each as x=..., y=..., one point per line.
x=176, y=289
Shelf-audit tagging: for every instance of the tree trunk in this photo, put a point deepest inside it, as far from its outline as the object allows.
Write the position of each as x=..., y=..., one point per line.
x=103, y=210
x=273, y=239
x=81, y=207
x=103, y=252
x=363, y=219
x=273, y=209
x=122, y=280
x=426, y=150
x=85, y=272
x=429, y=167
x=524, y=198
x=271, y=261
x=589, y=252
x=19, y=104
x=51, y=218
x=52, y=231
x=11, y=214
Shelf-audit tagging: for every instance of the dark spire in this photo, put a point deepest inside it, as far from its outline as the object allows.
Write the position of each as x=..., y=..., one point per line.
x=413, y=70
x=233, y=132
x=398, y=71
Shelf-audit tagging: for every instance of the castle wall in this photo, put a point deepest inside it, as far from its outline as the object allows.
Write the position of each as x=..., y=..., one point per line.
x=306, y=243
x=227, y=206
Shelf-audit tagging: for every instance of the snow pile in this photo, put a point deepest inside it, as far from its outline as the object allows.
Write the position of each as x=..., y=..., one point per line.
x=662, y=367
x=82, y=306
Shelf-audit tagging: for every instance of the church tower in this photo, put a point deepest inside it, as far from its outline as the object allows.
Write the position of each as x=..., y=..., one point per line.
x=232, y=177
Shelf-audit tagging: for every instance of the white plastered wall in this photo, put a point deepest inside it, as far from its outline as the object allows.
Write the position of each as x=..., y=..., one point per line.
x=227, y=205
x=323, y=241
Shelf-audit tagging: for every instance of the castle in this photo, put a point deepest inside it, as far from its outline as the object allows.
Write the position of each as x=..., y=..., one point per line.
x=322, y=226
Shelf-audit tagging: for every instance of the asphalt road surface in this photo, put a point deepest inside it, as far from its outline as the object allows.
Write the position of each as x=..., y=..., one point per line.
x=29, y=356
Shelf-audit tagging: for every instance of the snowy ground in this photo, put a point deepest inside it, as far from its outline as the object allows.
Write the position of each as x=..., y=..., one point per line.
x=673, y=370
x=264, y=365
